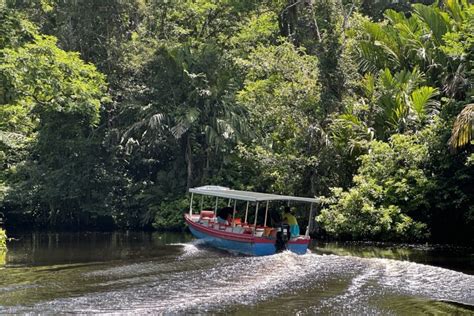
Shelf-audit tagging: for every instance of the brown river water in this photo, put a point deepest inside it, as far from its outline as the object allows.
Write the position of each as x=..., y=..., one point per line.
x=173, y=274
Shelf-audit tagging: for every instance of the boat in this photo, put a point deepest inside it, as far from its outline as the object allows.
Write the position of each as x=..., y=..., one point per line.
x=239, y=236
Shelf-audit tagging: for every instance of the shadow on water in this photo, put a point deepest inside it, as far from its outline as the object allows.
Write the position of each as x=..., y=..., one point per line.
x=171, y=273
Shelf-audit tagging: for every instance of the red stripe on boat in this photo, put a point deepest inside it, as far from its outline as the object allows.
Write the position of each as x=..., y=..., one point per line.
x=236, y=236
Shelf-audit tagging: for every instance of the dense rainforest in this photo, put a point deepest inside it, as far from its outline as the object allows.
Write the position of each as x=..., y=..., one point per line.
x=111, y=110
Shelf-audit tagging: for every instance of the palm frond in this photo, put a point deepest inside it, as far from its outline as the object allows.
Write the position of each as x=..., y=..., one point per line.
x=462, y=132
x=437, y=22
x=184, y=122
x=368, y=85
x=132, y=130
x=455, y=10
x=11, y=139
x=211, y=135
x=379, y=50
x=156, y=121
x=394, y=17
x=421, y=99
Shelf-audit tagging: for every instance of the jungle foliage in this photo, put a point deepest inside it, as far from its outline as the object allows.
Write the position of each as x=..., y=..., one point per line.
x=3, y=246
x=3, y=241
x=111, y=110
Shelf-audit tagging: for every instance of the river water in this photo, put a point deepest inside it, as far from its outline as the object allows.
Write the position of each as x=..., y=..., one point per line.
x=165, y=273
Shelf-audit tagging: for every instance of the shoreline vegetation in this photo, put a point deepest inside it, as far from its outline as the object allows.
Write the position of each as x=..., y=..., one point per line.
x=110, y=111
x=3, y=240
x=3, y=246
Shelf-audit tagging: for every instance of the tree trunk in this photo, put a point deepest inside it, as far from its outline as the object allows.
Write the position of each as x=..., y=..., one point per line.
x=189, y=161
x=205, y=174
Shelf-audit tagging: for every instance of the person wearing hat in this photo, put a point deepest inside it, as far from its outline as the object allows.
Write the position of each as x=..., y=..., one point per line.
x=290, y=219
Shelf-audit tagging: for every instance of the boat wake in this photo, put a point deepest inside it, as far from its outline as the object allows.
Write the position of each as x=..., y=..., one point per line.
x=203, y=281
x=189, y=249
x=197, y=248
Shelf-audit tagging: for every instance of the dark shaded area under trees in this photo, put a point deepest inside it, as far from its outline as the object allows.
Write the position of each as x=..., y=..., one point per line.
x=110, y=110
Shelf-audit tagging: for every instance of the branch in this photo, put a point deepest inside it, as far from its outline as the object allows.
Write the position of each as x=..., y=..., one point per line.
x=315, y=23
x=291, y=5
x=344, y=26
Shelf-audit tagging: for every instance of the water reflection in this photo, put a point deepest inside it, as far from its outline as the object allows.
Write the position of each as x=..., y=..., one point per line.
x=452, y=257
x=170, y=273
x=62, y=248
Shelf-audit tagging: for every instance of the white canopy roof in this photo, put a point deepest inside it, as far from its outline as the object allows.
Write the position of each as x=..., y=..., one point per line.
x=213, y=190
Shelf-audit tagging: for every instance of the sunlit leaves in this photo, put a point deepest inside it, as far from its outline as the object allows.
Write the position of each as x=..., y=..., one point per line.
x=394, y=103
x=50, y=101
x=256, y=29
x=421, y=99
x=280, y=79
x=432, y=38
x=436, y=21
x=207, y=91
x=3, y=245
x=281, y=92
x=14, y=30
x=389, y=193
x=44, y=78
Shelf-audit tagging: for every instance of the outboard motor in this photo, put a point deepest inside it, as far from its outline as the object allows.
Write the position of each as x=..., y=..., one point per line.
x=282, y=237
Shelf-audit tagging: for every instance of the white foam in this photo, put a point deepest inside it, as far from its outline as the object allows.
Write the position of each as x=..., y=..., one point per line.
x=201, y=282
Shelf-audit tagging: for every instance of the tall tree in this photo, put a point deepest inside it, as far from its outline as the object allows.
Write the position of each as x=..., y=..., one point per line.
x=62, y=96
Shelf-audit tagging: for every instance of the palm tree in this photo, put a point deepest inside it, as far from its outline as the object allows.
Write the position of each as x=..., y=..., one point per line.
x=194, y=106
x=401, y=102
x=462, y=129
x=418, y=41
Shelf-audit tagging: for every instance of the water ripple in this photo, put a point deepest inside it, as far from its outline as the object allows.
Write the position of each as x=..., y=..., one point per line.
x=203, y=281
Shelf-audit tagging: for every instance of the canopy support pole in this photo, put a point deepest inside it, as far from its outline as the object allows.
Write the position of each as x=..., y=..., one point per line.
x=228, y=203
x=246, y=212
x=266, y=214
x=202, y=202
x=191, y=205
x=233, y=213
x=215, y=207
x=256, y=214
x=309, y=221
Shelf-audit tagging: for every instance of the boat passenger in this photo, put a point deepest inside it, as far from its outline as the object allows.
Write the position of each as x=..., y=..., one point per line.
x=275, y=217
x=220, y=220
x=229, y=218
x=290, y=219
x=224, y=215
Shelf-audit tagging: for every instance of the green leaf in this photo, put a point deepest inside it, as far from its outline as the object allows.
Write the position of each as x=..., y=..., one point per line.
x=422, y=98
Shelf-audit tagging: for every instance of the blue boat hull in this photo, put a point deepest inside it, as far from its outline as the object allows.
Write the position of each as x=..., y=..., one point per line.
x=240, y=243
x=300, y=249
x=248, y=248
